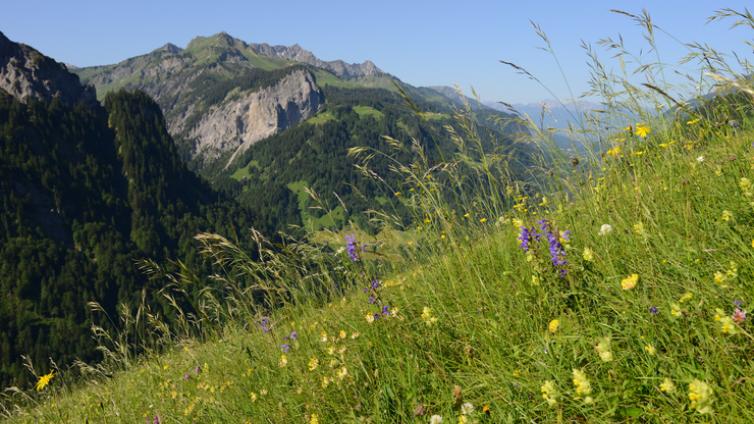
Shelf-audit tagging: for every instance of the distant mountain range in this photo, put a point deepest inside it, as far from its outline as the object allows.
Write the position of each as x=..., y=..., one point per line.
x=234, y=108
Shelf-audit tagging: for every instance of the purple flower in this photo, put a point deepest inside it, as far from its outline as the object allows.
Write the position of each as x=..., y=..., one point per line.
x=653, y=310
x=376, y=316
x=264, y=323
x=525, y=238
x=351, y=248
x=285, y=347
x=375, y=284
x=386, y=310
x=197, y=370
x=738, y=303
x=156, y=419
x=557, y=251
x=293, y=335
x=739, y=316
x=372, y=300
x=186, y=376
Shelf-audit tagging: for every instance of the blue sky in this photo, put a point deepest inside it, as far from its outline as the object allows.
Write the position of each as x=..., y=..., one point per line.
x=422, y=42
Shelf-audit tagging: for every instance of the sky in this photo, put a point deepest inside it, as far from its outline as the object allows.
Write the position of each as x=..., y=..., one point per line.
x=422, y=42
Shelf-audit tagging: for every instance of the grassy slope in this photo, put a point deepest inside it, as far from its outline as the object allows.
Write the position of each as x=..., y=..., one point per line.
x=491, y=336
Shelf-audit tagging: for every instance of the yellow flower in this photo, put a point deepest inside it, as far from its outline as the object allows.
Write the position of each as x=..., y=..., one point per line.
x=675, y=310
x=549, y=393
x=614, y=152
x=44, y=381
x=719, y=278
x=650, y=349
x=752, y=243
x=553, y=326
x=686, y=297
x=642, y=130
x=693, y=121
x=253, y=396
x=700, y=395
x=667, y=386
x=746, y=186
x=342, y=334
x=427, y=316
x=726, y=216
x=581, y=383
x=603, y=349
x=342, y=373
x=314, y=419
x=727, y=325
x=629, y=282
x=482, y=220
x=397, y=194
x=639, y=229
x=370, y=318
x=313, y=363
x=517, y=222
x=638, y=153
x=588, y=254
x=467, y=215
x=535, y=281
x=283, y=361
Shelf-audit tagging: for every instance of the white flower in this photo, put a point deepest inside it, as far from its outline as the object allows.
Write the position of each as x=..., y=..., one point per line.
x=700, y=159
x=435, y=419
x=606, y=229
x=467, y=408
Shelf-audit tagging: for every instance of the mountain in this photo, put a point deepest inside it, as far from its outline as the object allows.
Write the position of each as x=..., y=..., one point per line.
x=263, y=123
x=85, y=191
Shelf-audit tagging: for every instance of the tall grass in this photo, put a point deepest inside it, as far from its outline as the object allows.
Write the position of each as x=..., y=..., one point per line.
x=645, y=320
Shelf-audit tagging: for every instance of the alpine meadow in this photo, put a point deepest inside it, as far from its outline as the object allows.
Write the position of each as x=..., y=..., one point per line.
x=242, y=232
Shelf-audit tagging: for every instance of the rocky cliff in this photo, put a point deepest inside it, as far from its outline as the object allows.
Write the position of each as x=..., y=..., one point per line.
x=25, y=73
x=233, y=125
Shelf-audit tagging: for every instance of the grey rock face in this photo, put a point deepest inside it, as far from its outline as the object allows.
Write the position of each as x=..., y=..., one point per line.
x=338, y=67
x=237, y=123
x=26, y=73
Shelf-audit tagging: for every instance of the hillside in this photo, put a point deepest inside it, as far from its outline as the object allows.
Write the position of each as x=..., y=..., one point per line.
x=86, y=191
x=625, y=299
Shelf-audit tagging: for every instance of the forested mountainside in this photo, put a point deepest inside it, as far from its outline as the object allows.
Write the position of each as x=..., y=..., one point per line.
x=86, y=191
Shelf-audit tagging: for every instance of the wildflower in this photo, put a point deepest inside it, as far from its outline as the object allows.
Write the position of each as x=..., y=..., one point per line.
x=686, y=297
x=264, y=324
x=549, y=393
x=283, y=361
x=614, y=151
x=351, y=248
x=653, y=310
x=44, y=381
x=486, y=409
x=557, y=251
x=553, y=326
x=285, y=347
x=642, y=130
x=427, y=316
x=342, y=334
x=370, y=318
x=435, y=419
x=700, y=395
x=693, y=121
x=629, y=282
x=700, y=159
x=726, y=216
x=482, y=220
x=667, y=386
x=746, y=186
x=739, y=316
x=581, y=383
x=314, y=419
x=525, y=238
x=313, y=363
x=342, y=373
x=727, y=325
x=719, y=278
x=535, y=281
x=326, y=382
x=603, y=350
x=675, y=310
x=517, y=222
x=639, y=229
x=605, y=229
x=467, y=408
x=650, y=349
x=588, y=255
